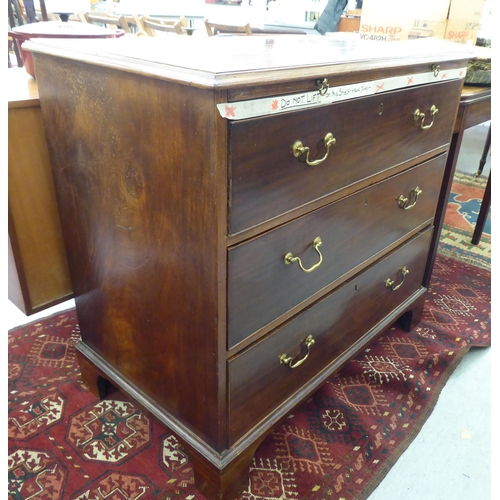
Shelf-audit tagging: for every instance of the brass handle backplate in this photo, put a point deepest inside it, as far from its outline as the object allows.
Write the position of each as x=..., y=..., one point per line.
x=288, y=360
x=299, y=149
x=419, y=116
x=391, y=283
x=403, y=201
x=290, y=259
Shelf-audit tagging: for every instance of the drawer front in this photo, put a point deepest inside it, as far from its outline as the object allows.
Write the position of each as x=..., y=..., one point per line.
x=259, y=382
x=372, y=134
x=261, y=287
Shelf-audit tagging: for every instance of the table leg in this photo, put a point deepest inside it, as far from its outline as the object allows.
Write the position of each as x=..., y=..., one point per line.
x=486, y=150
x=483, y=213
x=449, y=172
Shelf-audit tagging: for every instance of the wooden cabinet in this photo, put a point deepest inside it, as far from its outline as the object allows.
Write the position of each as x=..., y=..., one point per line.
x=241, y=216
x=38, y=271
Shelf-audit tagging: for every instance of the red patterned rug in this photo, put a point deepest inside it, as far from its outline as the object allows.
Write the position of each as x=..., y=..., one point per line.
x=464, y=203
x=65, y=444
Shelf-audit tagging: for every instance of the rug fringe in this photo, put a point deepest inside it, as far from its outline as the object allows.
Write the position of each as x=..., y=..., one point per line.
x=463, y=258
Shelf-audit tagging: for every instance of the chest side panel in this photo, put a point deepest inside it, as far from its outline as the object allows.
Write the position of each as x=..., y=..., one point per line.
x=140, y=211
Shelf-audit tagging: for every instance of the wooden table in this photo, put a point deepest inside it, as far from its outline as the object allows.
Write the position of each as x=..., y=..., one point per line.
x=38, y=272
x=474, y=108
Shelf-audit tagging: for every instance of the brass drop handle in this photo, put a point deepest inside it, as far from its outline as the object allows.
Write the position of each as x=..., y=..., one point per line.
x=288, y=360
x=299, y=149
x=290, y=259
x=403, y=201
x=323, y=86
x=418, y=115
x=390, y=283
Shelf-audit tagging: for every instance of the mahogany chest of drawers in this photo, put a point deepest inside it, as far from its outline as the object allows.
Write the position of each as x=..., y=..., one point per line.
x=241, y=215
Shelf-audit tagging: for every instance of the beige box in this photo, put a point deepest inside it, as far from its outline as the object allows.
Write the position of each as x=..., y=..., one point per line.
x=384, y=28
x=394, y=20
x=423, y=28
x=464, y=21
x=466, y=9
x=462, y=30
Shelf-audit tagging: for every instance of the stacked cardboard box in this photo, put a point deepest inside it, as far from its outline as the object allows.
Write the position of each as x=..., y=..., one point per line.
x=464, y=20
x=393, y=20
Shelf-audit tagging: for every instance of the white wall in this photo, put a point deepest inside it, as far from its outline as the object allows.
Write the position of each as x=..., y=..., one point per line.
x=287, y=11
x=294, y=12
x=486, y=30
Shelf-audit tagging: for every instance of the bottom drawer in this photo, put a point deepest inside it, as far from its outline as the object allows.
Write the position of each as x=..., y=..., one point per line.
x=259, y=380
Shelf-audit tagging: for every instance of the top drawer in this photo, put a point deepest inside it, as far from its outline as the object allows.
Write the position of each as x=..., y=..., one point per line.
x=372, y=134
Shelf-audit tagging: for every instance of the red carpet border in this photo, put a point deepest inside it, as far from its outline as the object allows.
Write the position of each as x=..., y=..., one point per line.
x=66, y=444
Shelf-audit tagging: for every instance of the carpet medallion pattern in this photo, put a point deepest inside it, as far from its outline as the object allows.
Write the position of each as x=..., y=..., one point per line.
x=463, y=207
x=64, y=444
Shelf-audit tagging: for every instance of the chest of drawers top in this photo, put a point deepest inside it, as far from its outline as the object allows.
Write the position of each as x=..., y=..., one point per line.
x=236, y=62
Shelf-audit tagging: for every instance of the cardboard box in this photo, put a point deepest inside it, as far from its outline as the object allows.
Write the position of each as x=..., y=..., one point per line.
x=394, y=20
x=424, y=28
x=462, y=31
x=350, y=24
x=464, y=21
x=384, y=28
x=466, y=9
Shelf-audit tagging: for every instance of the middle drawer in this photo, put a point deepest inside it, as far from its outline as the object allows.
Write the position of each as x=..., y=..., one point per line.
x=353, y=230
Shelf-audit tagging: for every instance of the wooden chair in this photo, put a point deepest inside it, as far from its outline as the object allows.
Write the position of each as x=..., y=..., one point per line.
x=16, y=14
x=217, y=28
x=78, y=17
x=43, y=11
x=50, y=16
x=153, y=24
x=350, y=21
x=16, y=18
x=104, y=19
x=133, y=21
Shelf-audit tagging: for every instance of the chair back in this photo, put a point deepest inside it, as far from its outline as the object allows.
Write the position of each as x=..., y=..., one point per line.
x=102, y=18
x=218, y=28
x=153, y=24
x=78, y=17
x=133, y=21
x=16, y=18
